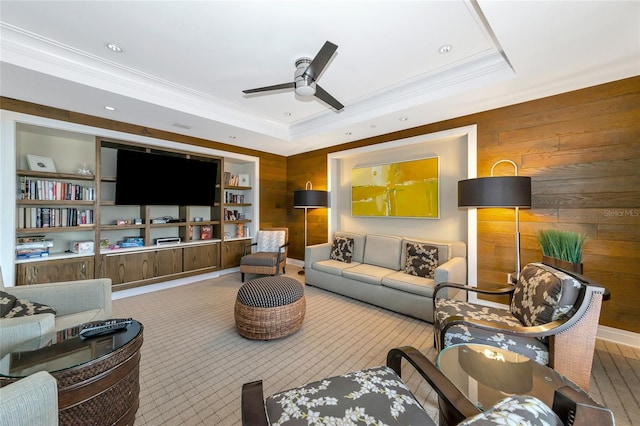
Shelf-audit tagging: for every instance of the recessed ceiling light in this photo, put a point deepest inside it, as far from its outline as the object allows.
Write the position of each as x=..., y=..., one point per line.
x=403, y=118
x=373, y=126
x=445, y=49
x=114, y=47
x=347, y=133
x=288, y=114
x=232, y=137
x=109, y=108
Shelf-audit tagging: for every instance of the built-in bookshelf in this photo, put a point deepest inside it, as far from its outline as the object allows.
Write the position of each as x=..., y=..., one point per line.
x=238, y=211
x=68, y=226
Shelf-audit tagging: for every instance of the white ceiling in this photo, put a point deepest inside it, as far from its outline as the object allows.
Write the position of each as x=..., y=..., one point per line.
x=184, y=64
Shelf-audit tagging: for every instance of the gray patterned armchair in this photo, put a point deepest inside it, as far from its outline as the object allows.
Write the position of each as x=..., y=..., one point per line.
x=379, y=396
x=552, y=319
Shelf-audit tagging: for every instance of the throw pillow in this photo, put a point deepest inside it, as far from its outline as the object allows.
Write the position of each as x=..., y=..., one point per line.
x=6, y=303
x=12, y=307
x=422, y=260
x=543, y=294
x=342, y=249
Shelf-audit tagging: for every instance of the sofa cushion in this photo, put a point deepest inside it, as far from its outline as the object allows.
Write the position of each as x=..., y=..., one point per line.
x=374, y=396
x=530, y=347
x=409, y=283
x=370, y=274
x=358, y=244
x=342, y=249
x=333, y=267
x=543, y=294
x=383, y=251
x=421, y=259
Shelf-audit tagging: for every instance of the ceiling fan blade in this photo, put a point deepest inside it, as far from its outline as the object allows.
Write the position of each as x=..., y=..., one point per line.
x=326, y=97
x=291, y=85
x=320, y=61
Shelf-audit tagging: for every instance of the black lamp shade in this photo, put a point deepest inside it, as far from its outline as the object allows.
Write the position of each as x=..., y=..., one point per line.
x=495, y=191
x=310, y=198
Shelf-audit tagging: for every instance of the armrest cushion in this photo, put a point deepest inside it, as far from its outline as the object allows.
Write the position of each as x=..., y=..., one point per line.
x=69, y=297
x=315, y=253
x=15, y=331
x=454, y=270
x=30, y=401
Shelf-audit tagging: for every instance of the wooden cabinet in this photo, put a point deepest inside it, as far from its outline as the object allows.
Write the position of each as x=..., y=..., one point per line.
x=206, y=256
x=232, y=252
x=130, y=267
x=79, y=268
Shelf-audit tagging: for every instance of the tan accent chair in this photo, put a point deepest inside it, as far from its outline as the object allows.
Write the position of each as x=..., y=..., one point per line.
x=30, y=401
x=552, y=319
x=271, y=250
x=76, y=302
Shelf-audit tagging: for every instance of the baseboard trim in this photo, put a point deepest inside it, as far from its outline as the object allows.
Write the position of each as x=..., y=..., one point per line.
x=615, y=335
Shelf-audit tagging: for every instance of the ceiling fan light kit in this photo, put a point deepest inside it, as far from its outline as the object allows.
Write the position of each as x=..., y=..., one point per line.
x=304, y=78
x=305, y=86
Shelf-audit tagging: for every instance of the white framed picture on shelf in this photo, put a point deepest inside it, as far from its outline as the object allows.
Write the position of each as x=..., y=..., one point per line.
x=244, y=179
x=38, y=163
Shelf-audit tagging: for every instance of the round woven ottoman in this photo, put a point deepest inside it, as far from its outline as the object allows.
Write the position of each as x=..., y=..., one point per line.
x=269, y=307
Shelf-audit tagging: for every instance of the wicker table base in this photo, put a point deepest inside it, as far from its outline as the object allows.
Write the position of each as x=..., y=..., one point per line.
x=103, y=391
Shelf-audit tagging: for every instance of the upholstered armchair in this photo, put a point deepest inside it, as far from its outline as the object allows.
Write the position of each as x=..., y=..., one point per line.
x=75, y=302
x=378, y=395
x=30, y=401
x=270, y=254
x=552, y=319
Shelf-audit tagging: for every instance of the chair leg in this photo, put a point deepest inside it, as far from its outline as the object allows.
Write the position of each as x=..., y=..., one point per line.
x=242, y=276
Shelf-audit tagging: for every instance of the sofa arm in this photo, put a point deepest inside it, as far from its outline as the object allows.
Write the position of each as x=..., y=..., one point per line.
x=30, y=401
x=16, y=331
x=69, y=297
x=315, y=253
x=454, y=271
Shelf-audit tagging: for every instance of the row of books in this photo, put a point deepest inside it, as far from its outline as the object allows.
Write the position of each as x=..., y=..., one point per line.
x=40, y=189
x=233, y=215
x=231, y=198
x=32, y=246
x=231, y=179
x=49, y=217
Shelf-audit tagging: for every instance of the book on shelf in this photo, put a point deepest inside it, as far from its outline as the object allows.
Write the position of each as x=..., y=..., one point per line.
x=206, y=232
x=239, y=231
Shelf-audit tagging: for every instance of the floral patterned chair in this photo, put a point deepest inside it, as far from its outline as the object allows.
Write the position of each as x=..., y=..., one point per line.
x=378, y=396
x=552, y=319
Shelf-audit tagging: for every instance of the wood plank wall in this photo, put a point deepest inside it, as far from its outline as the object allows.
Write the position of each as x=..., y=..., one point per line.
x=582, y=150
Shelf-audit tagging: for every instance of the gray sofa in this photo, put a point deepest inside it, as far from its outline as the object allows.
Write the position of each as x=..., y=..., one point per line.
x=376, y=273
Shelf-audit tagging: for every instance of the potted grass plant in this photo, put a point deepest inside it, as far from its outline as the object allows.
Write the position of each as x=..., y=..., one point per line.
x=562, y=248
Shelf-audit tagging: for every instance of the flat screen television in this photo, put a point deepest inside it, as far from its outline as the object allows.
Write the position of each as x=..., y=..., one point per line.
x=144, y=178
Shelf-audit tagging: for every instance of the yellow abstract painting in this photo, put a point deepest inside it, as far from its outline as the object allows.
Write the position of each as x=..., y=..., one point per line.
x=402, y=189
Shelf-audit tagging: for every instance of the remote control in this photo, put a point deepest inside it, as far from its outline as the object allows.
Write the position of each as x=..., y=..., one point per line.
x=98, y=328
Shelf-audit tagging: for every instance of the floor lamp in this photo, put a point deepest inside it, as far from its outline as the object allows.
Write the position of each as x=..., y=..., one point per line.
x=309, y=199
x=498, y=191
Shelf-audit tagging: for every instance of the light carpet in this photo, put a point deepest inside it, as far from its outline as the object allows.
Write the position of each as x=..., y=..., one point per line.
x=194, y=362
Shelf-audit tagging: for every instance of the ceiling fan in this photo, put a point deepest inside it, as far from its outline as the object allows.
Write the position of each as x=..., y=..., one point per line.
x=304, y=78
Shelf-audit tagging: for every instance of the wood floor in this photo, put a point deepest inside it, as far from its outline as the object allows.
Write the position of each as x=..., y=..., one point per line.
x=194, y=362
